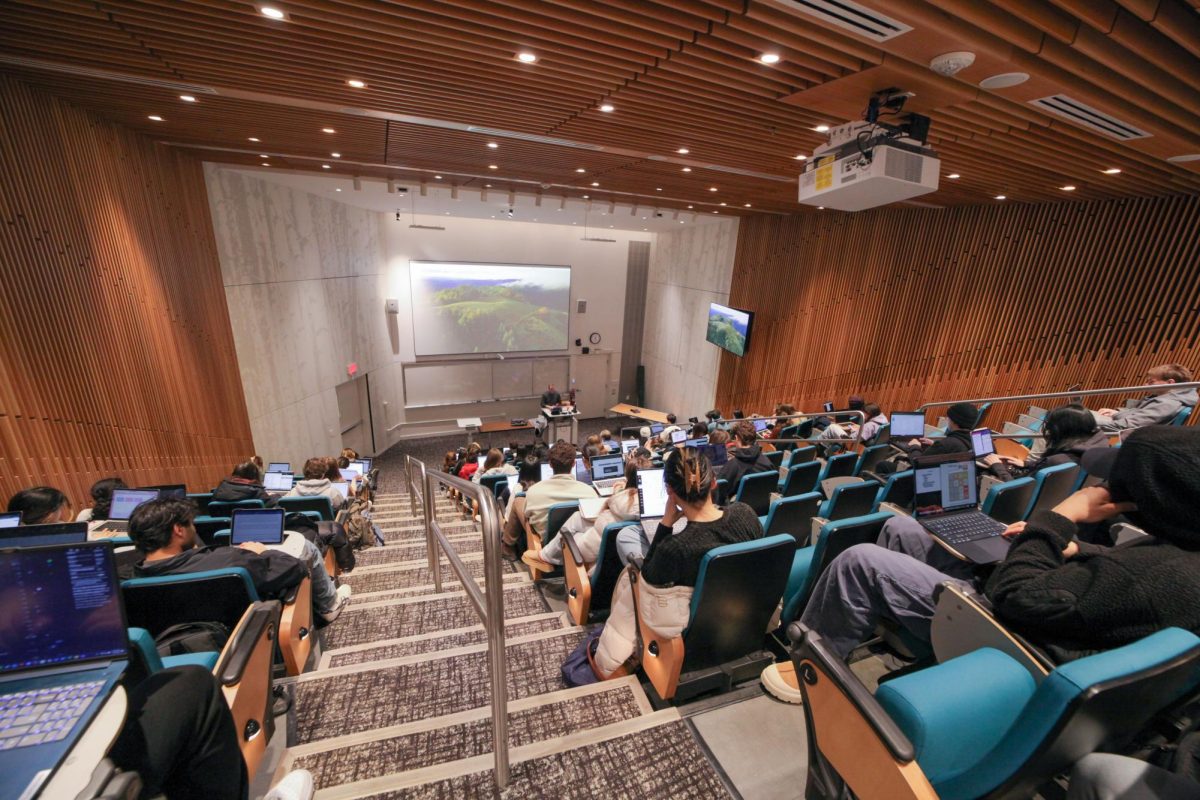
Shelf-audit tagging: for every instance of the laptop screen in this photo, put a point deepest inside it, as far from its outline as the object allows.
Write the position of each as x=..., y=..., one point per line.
x=718, y=454
x=761, y=425
x=981, y=442
x=278, y=481
x=342, y=488
x=608, y=467
x=944, y=483
x=703, y=440
x=124, y=501
x=61, y=605
x=628, y=446
x=366, y=464
x=279, y=466
x=907, y=424
x=10, y=519
x=652, y=493
x=582, y=473
x=479, y=461
x=656, y=428
x=360, y=466
x=263, y=525
x=175, y=491
x=42, y=535
x=514, y=483
x=546, y=471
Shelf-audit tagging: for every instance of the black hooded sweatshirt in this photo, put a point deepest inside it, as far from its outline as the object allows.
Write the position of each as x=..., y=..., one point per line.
x=1106, y=597
x=745, y=460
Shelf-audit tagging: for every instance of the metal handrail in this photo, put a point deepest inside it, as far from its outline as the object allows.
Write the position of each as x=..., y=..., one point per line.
x=1152, y=388
x=488, y=604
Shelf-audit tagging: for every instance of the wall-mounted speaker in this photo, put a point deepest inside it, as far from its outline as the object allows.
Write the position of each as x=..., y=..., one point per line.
x=581, y=306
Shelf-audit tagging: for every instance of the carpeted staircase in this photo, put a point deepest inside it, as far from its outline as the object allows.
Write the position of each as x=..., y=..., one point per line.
x=399, y=703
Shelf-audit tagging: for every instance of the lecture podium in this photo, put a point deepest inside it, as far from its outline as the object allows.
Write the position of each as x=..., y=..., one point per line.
x=554, y=423
x=647, y=414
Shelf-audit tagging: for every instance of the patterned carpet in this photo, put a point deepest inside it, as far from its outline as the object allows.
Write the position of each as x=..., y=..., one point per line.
x=359, y=625
x=394, y=695
x=511, y=631
x=663, y=762
x=413, y=751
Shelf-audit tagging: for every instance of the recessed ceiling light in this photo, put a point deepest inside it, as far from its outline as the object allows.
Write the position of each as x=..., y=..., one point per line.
x=645, y=229
x=821, y=128
x=643, y=217
x=493, y=145
x=607, y=108
x=325, y=166
x=337, y=190
x=1067, y=188
x=356, y=83
x=687, y=169
x=1001, y=197
x=1004, y=80
x=658, y=188
x=328, y=130
x=263, y=155
x=265, y=164
x=769, y=58
x=712, y=188
x=187, y=98
x=690, y=206
x=587, y=197
x=1111, y=171
x=271, y=12
x=800, y=157
x=680, y=222
x=252, y=139
x=493, y=166
x=437, y=178
x=1184, y=158
x=820, y=208
x=487, y=186
x=595, y=183
x=953, y=176
x=723, y=204
x=155, y=118
x=683, y=151
x=747, y=205
x=336, y=155
x=716, y=212
x=526, y=57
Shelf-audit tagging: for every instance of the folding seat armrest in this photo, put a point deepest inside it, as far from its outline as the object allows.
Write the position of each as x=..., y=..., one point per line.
x=637, y=561
x=868, y=475
x=571, y=545
x=963, y=622
x=894, y=509
x=815, y=533
x=258, y=621
x=575, y=575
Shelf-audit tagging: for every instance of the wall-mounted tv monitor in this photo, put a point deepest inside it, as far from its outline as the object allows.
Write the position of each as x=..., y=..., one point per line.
x=729, y=328
x=488, y=308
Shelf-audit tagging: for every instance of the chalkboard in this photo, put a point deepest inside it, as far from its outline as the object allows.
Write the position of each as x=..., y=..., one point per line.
x=441, y=384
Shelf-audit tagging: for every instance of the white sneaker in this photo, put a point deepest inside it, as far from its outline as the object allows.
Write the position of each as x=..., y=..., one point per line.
x=342, y=597
x=296, y=785
x=343, y=593
x=780, y=682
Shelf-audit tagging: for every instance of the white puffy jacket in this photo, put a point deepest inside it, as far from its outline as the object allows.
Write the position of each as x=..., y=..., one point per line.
x=665, y=612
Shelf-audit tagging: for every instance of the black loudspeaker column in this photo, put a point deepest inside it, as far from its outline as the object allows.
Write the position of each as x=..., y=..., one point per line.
x=641, y=385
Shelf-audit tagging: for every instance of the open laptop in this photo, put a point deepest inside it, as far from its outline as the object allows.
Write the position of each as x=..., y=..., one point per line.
x=357, y=467
x=582, y=473
x=174, y=491
x=828, y=406
x=606, y=471
x=547, y=472
x=944, y=501
x=981, y=442
x=629, y=445
x=278, y=482
x=42, y=535
x=678, y=437
x=342, y=488
x=907, y=425
x=279, y=466
x=124, y=501
x=718, y=454
x=63, y=650
x=10, y=519
x=761, y=425
x=652, y=498
x=262, y=525
x=590, y=507
x=697, y=442
x=656, y=428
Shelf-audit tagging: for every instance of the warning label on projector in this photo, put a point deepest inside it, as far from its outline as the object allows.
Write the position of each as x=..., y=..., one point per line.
x=825, y=173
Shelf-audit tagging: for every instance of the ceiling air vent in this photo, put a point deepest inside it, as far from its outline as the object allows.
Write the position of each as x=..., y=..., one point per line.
x=866, y=22
x=1083, y=114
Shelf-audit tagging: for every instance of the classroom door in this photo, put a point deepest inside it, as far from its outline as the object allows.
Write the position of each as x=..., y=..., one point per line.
x=354, y=410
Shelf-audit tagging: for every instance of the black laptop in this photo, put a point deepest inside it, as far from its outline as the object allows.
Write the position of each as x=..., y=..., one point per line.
x=63, y=648
x=42, y=535
x=944, y=502
x=262, y=525
x=652, y=498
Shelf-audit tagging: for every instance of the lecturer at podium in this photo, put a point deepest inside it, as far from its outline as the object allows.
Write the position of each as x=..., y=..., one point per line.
x=551, y=397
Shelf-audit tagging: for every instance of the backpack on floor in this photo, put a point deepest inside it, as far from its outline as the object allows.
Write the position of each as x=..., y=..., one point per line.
x=192, y=637
x=355, y=519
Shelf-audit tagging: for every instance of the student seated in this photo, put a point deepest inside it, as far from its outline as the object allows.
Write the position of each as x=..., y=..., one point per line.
x=529, y=472
x=243, y=484
x=673, y=559
x=747, y=457
x=316, y=483
x=1158, y=408
x=164, y=533
x=1070, y=431
x=714, y=419
x=620, y=506
x=494, y=465
x=560, y=487
x=1068, y=597
x=609, y=444
x=101, y=492
x=41, y=505
x=470, y=463
x=962, y=417
x=876, y=419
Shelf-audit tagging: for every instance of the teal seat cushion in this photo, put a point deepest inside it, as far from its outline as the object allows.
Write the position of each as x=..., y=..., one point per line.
x=797, y=585
x=955, y=713
x=206, y=660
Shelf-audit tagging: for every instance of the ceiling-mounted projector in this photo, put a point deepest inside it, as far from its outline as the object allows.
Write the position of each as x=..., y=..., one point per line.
x=868, y=163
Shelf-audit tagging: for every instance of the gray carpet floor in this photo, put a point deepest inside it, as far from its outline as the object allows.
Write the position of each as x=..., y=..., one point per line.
x=448, y=642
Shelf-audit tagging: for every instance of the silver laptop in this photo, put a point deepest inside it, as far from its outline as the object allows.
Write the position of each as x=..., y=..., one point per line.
x=907, y=425
x=652, y=498
x=124, y=501
x=278, y=481
x=606, y=471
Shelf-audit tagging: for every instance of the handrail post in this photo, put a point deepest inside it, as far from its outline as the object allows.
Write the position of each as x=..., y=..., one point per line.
x=435, y=559
x=494, y=588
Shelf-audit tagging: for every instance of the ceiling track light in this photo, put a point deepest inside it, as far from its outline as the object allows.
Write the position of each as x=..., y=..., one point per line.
x=537, y=200
x=454, y=191
x=483, y=195
x=512, y=197
x=357, y=184
x=633, y=212
x=562, y=206
x=391, y=183
x=424, y=189
x=612, y=206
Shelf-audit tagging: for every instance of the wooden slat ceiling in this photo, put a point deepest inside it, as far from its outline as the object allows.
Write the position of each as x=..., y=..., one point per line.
x=681, y=73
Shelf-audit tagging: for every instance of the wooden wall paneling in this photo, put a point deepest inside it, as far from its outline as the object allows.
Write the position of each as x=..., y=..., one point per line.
x=117, y=354
x=909, y=305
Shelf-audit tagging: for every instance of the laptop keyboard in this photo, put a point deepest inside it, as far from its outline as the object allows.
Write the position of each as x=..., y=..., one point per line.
x=961, y=528
x=607, y=483
x=43, y=715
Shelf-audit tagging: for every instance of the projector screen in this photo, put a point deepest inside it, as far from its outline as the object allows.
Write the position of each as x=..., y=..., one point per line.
x=488, y=308
x=729, y=328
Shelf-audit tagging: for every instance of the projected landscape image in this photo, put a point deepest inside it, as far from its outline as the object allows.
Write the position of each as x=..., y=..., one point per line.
x=728, y=328
x=488, y=308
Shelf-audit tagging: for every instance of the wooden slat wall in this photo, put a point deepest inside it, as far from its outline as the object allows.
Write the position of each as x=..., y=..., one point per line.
x=116, y=353
x=907, y=305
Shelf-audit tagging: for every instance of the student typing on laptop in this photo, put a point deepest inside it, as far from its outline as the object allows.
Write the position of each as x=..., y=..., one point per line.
x=1063, y=595
x=244, y=483
x=41, y=505
x=163, y=532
